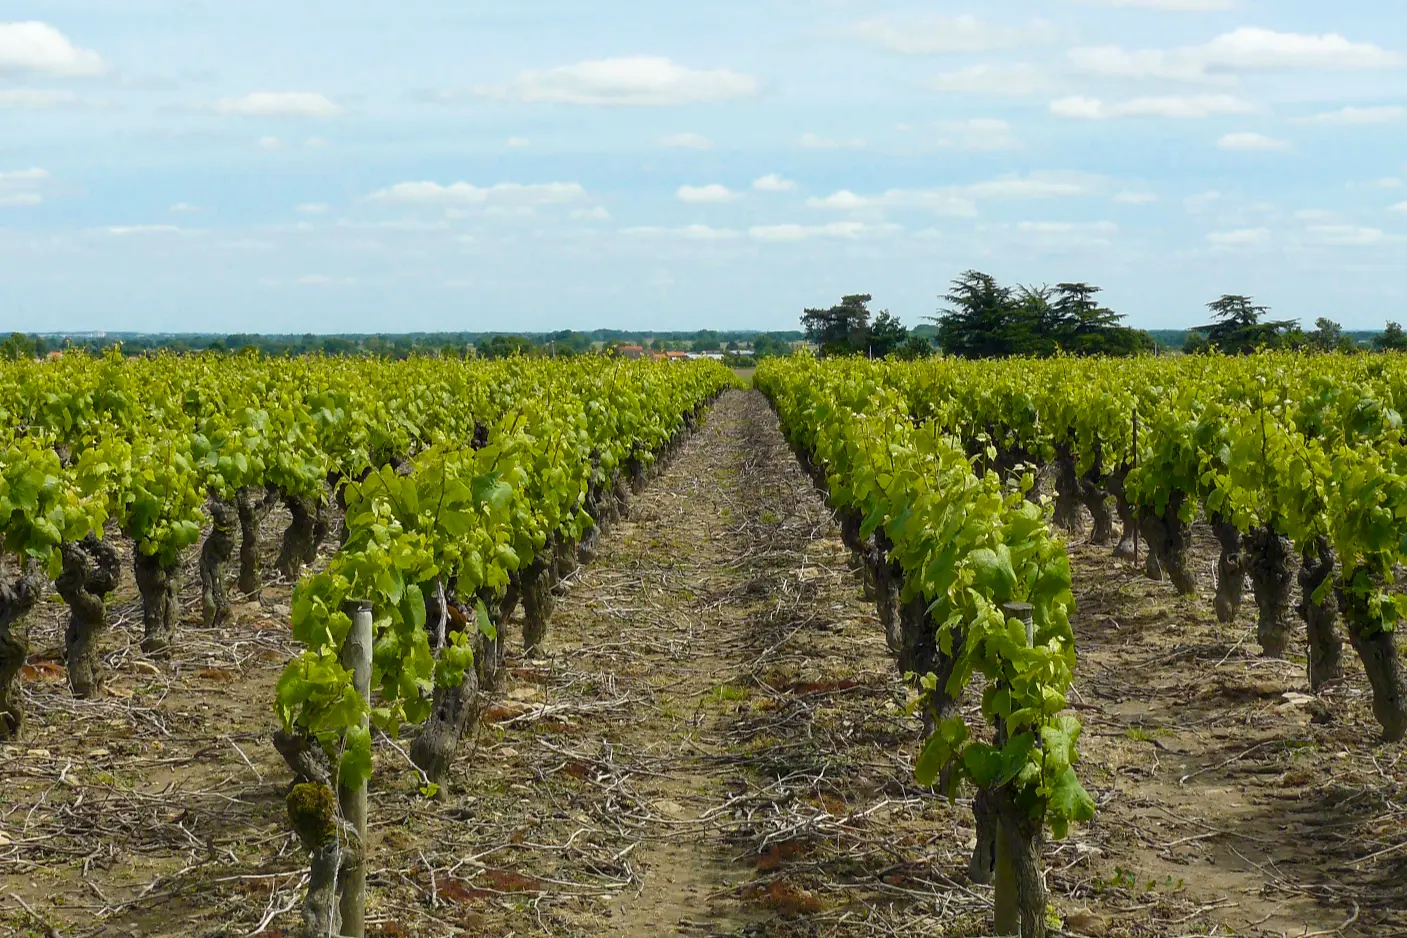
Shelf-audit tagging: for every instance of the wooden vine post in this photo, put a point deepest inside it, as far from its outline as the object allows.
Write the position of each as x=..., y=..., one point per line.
x=356, y=657
x=1014, y=901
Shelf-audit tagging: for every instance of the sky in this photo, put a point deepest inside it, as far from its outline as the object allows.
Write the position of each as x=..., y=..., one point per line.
x=532, y=165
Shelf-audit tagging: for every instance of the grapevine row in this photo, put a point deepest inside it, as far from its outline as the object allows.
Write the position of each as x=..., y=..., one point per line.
x=1286, y=456
x=969, y=580
x=160, y=448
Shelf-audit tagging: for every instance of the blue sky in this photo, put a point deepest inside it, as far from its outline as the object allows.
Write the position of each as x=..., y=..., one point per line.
x=191, y=165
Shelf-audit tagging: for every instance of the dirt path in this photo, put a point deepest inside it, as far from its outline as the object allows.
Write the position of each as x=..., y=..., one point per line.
x=730, y=733
x=715, y=743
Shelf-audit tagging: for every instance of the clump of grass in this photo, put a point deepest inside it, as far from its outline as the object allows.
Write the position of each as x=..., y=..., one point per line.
x=729, y=692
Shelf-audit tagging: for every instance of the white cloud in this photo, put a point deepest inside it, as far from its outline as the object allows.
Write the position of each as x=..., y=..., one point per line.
x=918, y=35
x=1399, y=207
x=38, y=47
x=1171, y=106
x=269, y=143
x=956, y=201
x=1135, y=198
x=465, y=193
x=977, y=134
x=1345, y=235
x=24, y=175
x=1315, y=214
x=773, y=183
x=597, y=213
x=1013, y=80
x=1066, y=227
x=518, y=143
x=1358, y=115
x=844, y=200
x=395, y=224
x=686, y=141
x=1179, y=6
x=687, y=232
x=1252, y=49
x=1117, y=62
x=315, y=143
x=1251, y=142
x=1248, y=49
x=21, y=187
x=1058, y=234
x=634, y=81
x=322, y=280
x=122, y=231
x=810, y=141
x=1196, y=204
x=28, y=99
x=311, y=208
x=838, y=229
x=1240, y=236
x=1034, y=186
x=278, y=104
x=184, y=208
x=710, y=194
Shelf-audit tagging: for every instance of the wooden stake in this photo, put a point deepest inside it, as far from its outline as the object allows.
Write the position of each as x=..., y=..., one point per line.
x=356, y=657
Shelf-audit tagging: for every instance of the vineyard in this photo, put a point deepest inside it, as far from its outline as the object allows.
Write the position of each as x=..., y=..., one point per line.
x=440, y=647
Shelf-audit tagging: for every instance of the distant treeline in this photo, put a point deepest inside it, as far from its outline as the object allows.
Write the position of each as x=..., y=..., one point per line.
x=983, y=318
x=404, y=345
x=1177, y=339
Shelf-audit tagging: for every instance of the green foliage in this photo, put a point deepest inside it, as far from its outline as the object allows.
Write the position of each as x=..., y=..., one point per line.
x=984, y=319
x=844, y=329
x=1393, y=339
x=469, y=516
x=966, y=544
x=1239, y=328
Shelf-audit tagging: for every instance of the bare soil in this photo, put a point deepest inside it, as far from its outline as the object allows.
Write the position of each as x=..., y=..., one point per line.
x=716, y=743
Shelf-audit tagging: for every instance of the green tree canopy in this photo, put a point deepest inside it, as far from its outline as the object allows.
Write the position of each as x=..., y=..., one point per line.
x=841, y=330
x=1393, y=339
x=1239, y=328
x=984, y=319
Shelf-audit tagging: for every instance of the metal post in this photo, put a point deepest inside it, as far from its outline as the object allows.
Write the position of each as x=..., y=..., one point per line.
x=356, y=657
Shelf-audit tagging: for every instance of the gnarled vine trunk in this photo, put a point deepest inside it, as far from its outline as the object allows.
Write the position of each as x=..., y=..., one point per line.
x=252, y=512
x=91, y=570
x=17, y=598
x=304, y=756
x=1325, y=645
x=1169, y=541
x=590, y=540
x=215, y=556
x=300, y=539
x=1067, y=489
x=312, y=811
x=160, y=606
x=1230, y=571
x=454, y=709
x=983, y=862
x=1096, y=499
x=1128, y=517
x=1268, y=564
x=1019, y=840
x=1381, y=660
x=889, y=581
x=538, y=602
